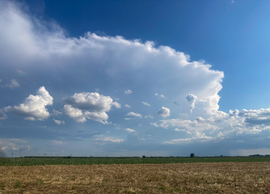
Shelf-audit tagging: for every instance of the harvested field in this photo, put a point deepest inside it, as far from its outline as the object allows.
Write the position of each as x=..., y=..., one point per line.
x=249, y=177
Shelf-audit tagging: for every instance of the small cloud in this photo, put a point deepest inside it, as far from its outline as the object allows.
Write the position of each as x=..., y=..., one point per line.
x=146, y=104
x=2, y=115
x=164, y=112
x=22, y=72
x=30, y=118
x=58, y=122
x=0, y=80
x=127, y=119
x=149, y=116
x=13, y=84
x=133, y=114
x=128, y=92
x=176, y=129
x=130, y=130
x=161, y=95
x=56, y=113
x=56, y=142
x=128, y=106
x=107, y=139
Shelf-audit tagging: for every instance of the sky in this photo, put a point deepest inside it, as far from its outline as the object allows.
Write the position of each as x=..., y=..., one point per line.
x=133, y=78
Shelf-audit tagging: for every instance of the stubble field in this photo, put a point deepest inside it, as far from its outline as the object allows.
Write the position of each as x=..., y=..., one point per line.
x=222, y=177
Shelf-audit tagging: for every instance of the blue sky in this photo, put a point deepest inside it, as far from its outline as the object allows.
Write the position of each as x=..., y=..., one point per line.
x=134, y=77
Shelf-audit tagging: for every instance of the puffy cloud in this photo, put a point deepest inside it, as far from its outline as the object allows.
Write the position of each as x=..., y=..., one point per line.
x=89, y=105
x=33, y=107
x=74, y=113
x=130, y=130
x=128, y=106
x=58, y=122
x=128, y=92
x=146, y=104
x=220, y=125
x=91, y=102
x=13, y=84
x=97, y=116
x=133, y=114
x=164, y=112
x=31, y=41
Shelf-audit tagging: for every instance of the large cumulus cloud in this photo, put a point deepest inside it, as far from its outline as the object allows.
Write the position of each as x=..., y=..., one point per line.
x=143, y=66
x=33, y=107
x=89, y=105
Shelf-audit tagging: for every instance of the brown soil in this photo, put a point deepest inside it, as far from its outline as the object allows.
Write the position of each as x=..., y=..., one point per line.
x=138, y=178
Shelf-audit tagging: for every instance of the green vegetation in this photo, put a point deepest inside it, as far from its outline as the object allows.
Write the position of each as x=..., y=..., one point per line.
x=34, y=161
x=18, y=184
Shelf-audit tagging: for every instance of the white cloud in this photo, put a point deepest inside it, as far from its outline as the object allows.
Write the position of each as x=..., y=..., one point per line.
x=128, y=92
x=97, y=116
x=74, y=113
x=146, y=104
x=164, y=112
x=133, y=114
x=201, y=137
x=33, y=107
x=149, y=116
x=58, y=122
x=128, y=106
x=130, y=130
x=13, y=84
x=176, y=129
x=91, y=102
x=89, y=105
x=13, y=144
x=103, y=139
x=191, y=99
x=161, y=95
x=56, y=113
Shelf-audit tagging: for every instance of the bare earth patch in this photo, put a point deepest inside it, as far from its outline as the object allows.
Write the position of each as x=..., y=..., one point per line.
x=250, y=177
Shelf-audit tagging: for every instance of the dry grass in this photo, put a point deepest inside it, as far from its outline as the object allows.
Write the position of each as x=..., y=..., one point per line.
x=138, y=178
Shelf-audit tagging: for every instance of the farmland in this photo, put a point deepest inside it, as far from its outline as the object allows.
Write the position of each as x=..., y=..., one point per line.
x=135, y=175
x=32, y=161
x=215, y=177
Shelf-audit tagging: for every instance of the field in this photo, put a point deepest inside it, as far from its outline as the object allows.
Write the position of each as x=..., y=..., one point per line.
x=135, y=175
x=32, y=161
x=229, y=177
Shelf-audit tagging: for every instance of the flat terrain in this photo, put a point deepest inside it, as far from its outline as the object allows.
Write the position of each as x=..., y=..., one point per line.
x=33, y=161
x=221, y=177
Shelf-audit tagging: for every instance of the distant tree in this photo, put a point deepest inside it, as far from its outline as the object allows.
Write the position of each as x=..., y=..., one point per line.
x=192, y=155
x=143, y=156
